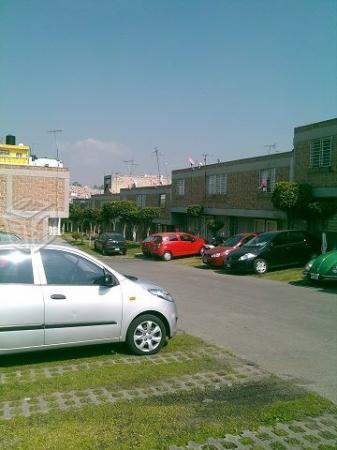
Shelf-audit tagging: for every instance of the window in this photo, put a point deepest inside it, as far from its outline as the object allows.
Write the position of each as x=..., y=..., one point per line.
x=180, y=187
x=267, y=180
x=19, y=155
x=186, y=238
x=16, y=267
x=162, y=200
x=69, y=269
x=217, y=184
x=320, y=152
x=4, y=152
x=140, y=200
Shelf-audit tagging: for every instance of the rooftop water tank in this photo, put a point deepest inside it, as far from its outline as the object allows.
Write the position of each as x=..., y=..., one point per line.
x=10, y=139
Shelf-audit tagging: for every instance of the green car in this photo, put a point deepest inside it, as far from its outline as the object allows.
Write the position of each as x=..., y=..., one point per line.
x=324, y=267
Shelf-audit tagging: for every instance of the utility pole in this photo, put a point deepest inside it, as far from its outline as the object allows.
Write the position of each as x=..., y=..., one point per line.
x=204, y=155
x=55, y=132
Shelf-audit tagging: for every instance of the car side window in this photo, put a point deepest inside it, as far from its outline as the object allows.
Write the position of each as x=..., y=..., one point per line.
x=186, y=238
x=173, y=238
x=16, y=267
x=281, y=239
x=296, y=236
x=69, y=269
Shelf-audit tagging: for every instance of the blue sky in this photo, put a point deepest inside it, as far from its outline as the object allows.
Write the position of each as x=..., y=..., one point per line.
x=119, y=77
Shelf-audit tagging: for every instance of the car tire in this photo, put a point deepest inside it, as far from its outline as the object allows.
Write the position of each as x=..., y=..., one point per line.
x=167, y=256
x=124, y=252
x=260, y=266
x=146, y=335
x=104, y=251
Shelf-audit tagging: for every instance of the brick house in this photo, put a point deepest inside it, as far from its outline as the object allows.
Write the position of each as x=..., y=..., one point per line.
x=237, y=193
x=315, y=163
x=33, y=200
x=159, y=196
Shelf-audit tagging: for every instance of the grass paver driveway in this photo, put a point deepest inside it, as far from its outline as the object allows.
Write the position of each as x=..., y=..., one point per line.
x=102, y=397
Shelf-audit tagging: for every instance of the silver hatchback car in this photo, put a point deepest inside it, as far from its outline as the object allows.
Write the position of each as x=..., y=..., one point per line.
x=56, y=296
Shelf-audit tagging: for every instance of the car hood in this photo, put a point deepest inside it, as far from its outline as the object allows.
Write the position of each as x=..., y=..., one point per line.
x=325, y=262
x=219, y=249
x=143, y=283
x=246, y=249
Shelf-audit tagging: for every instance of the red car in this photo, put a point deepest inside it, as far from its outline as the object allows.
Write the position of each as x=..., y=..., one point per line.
x=171, y=244
x=216, y=256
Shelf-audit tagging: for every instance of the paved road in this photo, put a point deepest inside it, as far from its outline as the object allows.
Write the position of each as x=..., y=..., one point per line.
x=286, y=329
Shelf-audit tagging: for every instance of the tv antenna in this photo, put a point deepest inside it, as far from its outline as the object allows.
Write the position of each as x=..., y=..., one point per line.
x=130, y=164
x=157, y=153
x=270, y=147
x=55, y=132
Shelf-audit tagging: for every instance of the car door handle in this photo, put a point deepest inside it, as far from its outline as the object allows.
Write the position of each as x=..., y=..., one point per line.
x=58, y=297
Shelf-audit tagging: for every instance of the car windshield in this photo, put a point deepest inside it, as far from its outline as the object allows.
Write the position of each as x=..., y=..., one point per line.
x=115, y=236
x=261, y=240
x=233, y=240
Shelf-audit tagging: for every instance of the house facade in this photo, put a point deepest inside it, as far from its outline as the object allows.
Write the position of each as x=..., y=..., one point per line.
x=157, y=196
x=236, y=193
x=33, y=200
x=315, y=163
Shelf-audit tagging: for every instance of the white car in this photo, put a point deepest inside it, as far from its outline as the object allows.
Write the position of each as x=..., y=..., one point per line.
x=56, y=296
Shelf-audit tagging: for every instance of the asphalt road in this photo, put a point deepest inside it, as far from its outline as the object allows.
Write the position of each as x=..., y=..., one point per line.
x=288, y=330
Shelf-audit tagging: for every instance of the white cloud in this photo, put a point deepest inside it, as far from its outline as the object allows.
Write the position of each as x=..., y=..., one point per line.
x=89, y=159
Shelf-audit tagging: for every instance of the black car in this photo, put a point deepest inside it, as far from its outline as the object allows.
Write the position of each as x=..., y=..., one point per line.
x=111, y=243
x=273, y=250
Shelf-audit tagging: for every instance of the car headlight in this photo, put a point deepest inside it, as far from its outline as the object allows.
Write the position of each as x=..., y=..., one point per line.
x=162, y=294
x=334, y=269
x=247, y=256
x=215, y=255
x=308, y=266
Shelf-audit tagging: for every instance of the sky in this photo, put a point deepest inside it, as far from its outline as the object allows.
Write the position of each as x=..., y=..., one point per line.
x=120, y=77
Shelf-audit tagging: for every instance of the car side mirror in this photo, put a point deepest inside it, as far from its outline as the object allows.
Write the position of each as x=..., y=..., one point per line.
x=106, y=280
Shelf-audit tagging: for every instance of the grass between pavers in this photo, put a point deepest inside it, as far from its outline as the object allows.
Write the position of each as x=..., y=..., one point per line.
x=155, y=422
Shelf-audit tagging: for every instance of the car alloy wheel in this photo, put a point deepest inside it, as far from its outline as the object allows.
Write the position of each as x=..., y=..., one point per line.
x=167, y=256
x=260, y=266
x=146, y=335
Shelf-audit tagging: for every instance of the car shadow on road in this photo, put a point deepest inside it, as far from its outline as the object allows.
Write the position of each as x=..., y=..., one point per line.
x=65, y=354
x=326, y=287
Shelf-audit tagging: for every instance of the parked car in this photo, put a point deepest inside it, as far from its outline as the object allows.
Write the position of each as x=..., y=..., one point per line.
x=111, y=243
x=55, y=296
x=216, y=241
x=172, y=244
x=272, y=250
x=8, y=237
x=322, y=268
x=216, y=256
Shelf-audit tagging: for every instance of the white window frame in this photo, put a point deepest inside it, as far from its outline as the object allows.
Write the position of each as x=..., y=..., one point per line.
x=180, y=187
x=141, y=200
x=320, y=152
x=217, y=184
x=267, y=179
x=162, y=200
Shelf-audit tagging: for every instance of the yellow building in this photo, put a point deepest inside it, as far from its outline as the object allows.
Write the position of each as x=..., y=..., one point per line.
x=14, y=154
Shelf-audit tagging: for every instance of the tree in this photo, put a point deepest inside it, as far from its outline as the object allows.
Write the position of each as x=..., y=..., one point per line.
x=90, y=218
x=127, y=209
x=76, y=216
x=215, y=225
x=194, y=210
x=147, y=215
x=292, y=198
x=111, y=213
